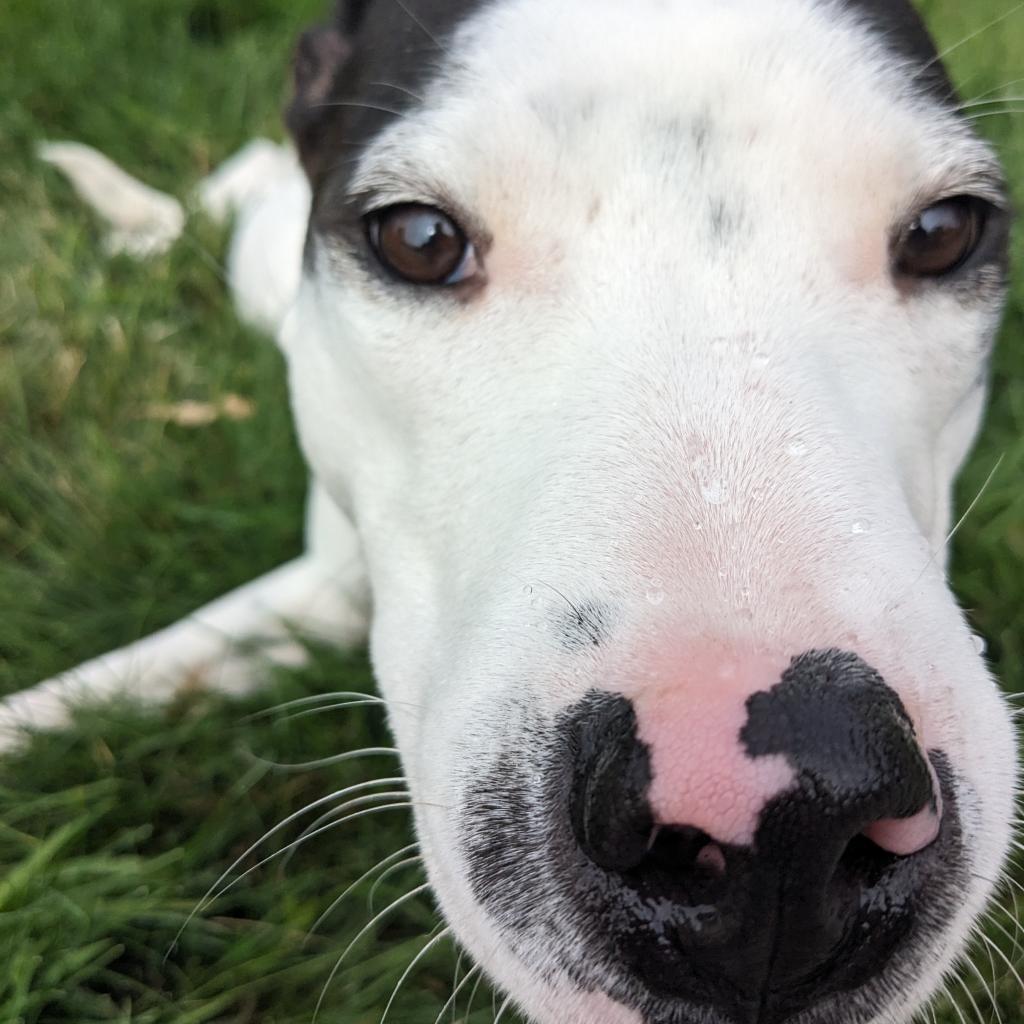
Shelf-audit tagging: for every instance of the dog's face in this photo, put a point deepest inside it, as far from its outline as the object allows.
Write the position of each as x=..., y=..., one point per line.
x=643, y=342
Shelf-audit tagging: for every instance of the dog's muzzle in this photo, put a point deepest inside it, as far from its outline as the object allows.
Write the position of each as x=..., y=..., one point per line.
x=816, y=868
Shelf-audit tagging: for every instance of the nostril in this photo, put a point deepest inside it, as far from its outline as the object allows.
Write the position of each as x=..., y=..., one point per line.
x=862, y=866
x=909, y=835
x=610, y=776
x=906, y=836
x=681, y=850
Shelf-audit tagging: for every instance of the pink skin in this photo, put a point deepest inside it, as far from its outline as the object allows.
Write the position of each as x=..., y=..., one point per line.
x=904, y=836
x=701, y=774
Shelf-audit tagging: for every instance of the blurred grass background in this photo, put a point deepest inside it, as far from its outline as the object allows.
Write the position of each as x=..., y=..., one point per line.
x=114, y=523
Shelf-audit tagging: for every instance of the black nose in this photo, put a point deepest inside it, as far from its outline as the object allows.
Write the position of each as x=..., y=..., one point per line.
x=813, y=906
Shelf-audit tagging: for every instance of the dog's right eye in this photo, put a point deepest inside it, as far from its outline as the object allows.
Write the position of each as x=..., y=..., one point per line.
x=421, y=244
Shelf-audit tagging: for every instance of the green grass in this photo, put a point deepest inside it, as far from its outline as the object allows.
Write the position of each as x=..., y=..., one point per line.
x=113, y=524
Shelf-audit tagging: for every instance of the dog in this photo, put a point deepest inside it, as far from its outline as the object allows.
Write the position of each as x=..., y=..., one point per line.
x=634, y=350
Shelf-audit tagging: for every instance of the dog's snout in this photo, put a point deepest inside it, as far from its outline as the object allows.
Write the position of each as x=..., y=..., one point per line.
x=794, y=877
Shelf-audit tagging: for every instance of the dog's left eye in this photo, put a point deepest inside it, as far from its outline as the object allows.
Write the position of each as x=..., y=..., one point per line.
x=942, y=237
x=421, y=244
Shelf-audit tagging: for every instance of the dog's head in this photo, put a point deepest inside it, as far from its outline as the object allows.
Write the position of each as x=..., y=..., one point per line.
x=643, y=342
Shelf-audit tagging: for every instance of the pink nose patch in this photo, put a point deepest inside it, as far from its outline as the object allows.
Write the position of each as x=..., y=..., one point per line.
x=701, y=775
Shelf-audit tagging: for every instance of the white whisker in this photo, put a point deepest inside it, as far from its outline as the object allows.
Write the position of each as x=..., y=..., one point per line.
x=355, y=885
x=326, y=762
x=979, y=1016
x=949, y=536
x=440, y=937
x=359, y=105
x=991, y=102
x=401, y=865
x=989, y=92
x=423, y=28
x=451, y=1000
x=994, y=947
x=365, y=812
x=988, y=987
x=1012, y=939
x=947, y=992
x=336, y=812
x=323, y=709
x=397, y=88
x=362, y=932
x=943, y=54
x=1008, y=112
x=504, y=1006
x=472, y=995
x=316, y=698
x=204, y=900
x=455, y=981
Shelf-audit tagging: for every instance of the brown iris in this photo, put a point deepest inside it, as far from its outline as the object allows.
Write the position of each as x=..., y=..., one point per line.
x=420, y=244
x=941, y=238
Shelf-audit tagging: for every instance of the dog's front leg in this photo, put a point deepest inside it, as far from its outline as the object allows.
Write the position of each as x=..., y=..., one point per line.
x=226, y=644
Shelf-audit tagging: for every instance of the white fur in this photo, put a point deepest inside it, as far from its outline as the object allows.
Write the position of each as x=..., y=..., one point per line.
x=743, y=432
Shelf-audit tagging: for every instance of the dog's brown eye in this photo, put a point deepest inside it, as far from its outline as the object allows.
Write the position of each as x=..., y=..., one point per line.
x=941, y=238
x=421, y=244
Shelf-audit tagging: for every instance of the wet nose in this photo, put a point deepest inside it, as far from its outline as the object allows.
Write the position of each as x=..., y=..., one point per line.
x=772, y=861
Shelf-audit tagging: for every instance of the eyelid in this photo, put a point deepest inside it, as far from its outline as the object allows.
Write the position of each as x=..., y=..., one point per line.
x=371, y=199
x=985, y=183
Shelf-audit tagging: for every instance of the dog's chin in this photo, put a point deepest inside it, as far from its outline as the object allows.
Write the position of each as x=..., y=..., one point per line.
x=558, y=999
x=561, y=1001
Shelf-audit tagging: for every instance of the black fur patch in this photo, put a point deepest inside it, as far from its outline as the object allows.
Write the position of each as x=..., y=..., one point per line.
x=905, y=33
x=394, y=48
x=583, y=625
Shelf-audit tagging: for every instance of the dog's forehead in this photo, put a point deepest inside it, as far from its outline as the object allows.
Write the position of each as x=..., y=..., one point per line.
x=521, y=102
x=403, y=47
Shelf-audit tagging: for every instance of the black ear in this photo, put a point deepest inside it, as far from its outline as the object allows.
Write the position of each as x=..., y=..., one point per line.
x=320, y=56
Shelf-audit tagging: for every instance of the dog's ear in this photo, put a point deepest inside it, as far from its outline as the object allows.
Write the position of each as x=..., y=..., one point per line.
x=320, y=56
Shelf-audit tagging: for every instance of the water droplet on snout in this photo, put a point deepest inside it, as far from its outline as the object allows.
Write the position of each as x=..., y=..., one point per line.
x=980, y=645
x=860, y=527
x=760, y=360
x=714, y=492
x=655, y=590
x=796, y=448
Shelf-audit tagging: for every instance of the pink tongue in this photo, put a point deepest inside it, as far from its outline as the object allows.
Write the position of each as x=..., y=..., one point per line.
x=904, y=836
